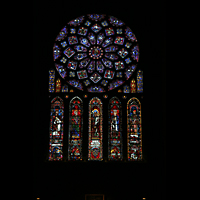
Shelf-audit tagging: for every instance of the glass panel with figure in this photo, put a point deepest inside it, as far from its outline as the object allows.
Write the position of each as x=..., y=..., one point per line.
x=75, y=129
x=114, y=129
x=95, y=130
x=134, y=130
x=56, y=130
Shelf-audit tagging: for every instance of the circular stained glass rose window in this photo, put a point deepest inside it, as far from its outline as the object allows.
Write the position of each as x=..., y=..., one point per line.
x=96, y=53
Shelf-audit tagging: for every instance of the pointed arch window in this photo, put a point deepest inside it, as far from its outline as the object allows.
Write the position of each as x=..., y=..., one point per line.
x=56, y=130
x=75, y=129
x=139, y=81
x=95, y=130
x=134, y=130
x=115, y=144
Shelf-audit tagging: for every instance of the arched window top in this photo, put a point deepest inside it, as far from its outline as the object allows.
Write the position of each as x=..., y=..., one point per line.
x=57, y=100
x=75, y=99
x=95, y=53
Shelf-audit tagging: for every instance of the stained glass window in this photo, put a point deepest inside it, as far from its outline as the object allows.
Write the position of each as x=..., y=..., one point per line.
x=95, y=147
x=58, y=85
x=51, y=80
x=139, y=81
x=115, y=144
x=56, y=130
x=134, y=130
x=96, y=53
x=75, y=129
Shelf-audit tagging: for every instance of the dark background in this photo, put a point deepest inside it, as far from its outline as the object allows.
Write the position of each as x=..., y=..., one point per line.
x=122, y=180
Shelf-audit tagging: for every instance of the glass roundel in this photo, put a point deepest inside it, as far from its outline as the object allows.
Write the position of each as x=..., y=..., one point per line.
x=96, y=53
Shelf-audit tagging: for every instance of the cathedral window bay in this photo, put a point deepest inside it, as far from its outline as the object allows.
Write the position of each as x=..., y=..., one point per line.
x=95, y=89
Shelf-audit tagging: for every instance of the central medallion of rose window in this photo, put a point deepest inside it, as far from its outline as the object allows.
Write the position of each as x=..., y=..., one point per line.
x=96, y=52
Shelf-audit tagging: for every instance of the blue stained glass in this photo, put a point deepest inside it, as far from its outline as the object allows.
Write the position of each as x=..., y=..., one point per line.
x=128, y=60
x=111, y=48
x=87, y=23
x=80, y=48
x=115, y=84
x=107, y=42
x=87, y=82
x=91, y=38
x=100, y=38
x=91, y=67
x=100, y=67
x=115, y=22
x=135, y=53
x=72, y=30
x=76, y=21
x=85, y=42
x=80, y=56
x=129, y=70
x=62, y=34
x=96, y=28
x=111, y=56
x=56, y=52
x=96, y=17
x=64, y=44
x=104, y=82
x=119, y=40
x=104, y=23
x=97, y=44
x=76, y=84
x=107, y=63
x=72, y=40
x=96, y=89
x=130, y=35
x=61, y=70
x=72, y=65
x=84, y=63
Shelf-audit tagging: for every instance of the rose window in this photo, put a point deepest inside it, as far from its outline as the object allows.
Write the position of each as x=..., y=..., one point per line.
x=96, y=53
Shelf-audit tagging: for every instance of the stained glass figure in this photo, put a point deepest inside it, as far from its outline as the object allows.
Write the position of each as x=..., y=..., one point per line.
x=56, y=130
x=95, y=146
x=95, y=77
x=115, y=144
x=69, y=52
x=94, y=43
x=96, y=28
x=139, y=81
x=51, y=80
x=75, y=129
x=82, y=74
x=58, y=85
x=82, y=31
x=134, y=130
x=119, y=40
x=133, y=86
